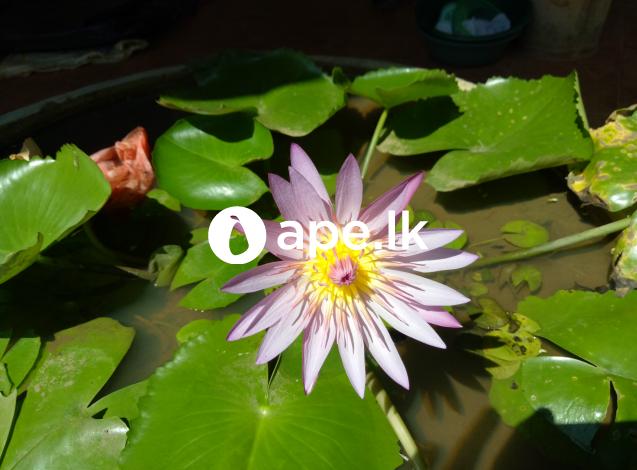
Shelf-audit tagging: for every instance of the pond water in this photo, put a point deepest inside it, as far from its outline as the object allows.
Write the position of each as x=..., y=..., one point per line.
x=447, y=408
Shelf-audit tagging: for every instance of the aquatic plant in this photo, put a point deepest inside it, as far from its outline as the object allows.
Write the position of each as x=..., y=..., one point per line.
x=66, y=261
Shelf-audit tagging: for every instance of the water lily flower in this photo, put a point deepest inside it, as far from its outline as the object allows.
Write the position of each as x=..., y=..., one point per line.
x=347, y=296
x=126, y=166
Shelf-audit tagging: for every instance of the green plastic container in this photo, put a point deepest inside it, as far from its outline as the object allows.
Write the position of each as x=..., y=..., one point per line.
x=470, y=51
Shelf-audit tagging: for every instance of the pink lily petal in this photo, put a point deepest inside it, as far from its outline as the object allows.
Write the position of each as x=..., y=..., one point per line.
x=396, y=199
x=317, y=342
x=349, y=191
x=273, y=230
x=437, y=316
x=284, y=332
x=265, y=313
x=440, y=259
x=422, y=290
x=303, y=164
x=382, y=347
x=351, y=348
x=403, y=318
x=311, y=206
x=262, y=277
x=444, y=259
x=284, y=197
x=432, y=238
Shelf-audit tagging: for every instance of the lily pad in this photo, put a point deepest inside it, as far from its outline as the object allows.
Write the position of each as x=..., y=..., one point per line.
x=165, y=199
x=507, y=126
x=573, y=394
x=527, y=274
x=509, y=344
x=524, y=233
x=212, y=408
x=608, y=181
x=42, y=200
x=199, y=160
x=163, y=264
x=202, y=266
x=283, y=89
x=54, y=428
x=624, y=273
x=393, y=86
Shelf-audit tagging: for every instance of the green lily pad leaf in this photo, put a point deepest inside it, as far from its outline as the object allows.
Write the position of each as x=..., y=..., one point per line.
x=524, y=233
x=595, y=327
x=478, y=289
x=163, y=265
x=608, y=181
x=20, y=359
x=482, y=275
x=42, y=200
x=211, y=408
x=14, y=263
x=508, y=126
x=393, y=86
x=202, y=266
x=199, y=160
x=425, y=216
x=510, y=344
x=54, y=428
x=7, y=412
x=459, y=242
x=624, y=273
x=198, y=235
x=165, y=199
x=492, y=316
x=122, y=403
x=569, y=393
x=283, y=89
x=527, y=274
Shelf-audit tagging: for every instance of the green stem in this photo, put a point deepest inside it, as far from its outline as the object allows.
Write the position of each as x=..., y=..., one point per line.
x=372, y=143
x=396, y=422
x=566, y=242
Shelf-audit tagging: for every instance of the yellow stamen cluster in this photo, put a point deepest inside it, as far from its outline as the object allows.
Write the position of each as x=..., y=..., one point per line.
x=322, y=284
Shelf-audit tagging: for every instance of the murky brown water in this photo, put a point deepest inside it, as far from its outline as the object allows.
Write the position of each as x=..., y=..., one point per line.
x=447, y=407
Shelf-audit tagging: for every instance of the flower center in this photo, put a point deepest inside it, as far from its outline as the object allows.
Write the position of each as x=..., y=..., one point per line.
x=343, y=271
x=341, y=274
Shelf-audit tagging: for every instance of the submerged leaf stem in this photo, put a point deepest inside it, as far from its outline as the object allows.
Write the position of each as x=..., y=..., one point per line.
x=555, y=245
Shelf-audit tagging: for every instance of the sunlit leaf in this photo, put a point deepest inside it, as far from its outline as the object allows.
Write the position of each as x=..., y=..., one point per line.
x=202, y=266
x=608, y=180
x=595, y=327
x=211, y=408
x=165, y=199
x=54, y=428
x=42, y=200
x=624, y=273
x=199, y=160
x=524, y=233
x=505, y=127
x=283, y=89
x=573, y=394
x=393, y=86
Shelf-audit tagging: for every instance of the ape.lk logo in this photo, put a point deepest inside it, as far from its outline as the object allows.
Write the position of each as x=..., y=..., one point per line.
x=314, y=238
